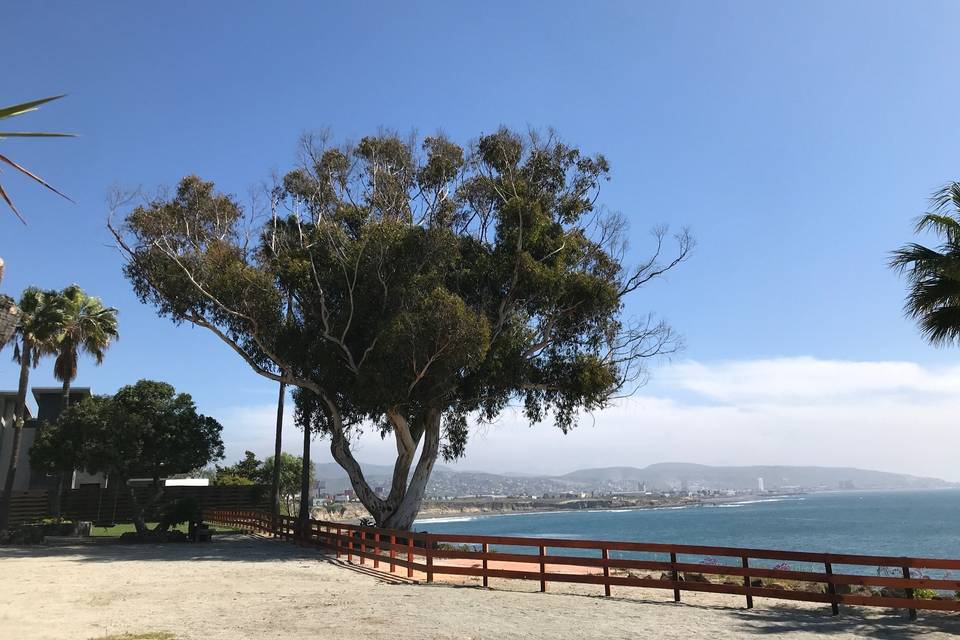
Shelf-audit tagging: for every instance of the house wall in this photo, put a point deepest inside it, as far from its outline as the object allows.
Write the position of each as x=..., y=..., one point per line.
x=48, y=403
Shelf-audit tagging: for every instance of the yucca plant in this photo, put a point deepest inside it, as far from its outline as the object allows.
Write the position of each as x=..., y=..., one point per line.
x=19, y=110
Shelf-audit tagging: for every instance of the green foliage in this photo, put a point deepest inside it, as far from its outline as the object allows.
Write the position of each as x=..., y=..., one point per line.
x=86, y=326
x=180, y=511
x=291, y=467
x=248, y=471
x=933, y=274
x=146, y=429
x=424, y=285
x=924, y=594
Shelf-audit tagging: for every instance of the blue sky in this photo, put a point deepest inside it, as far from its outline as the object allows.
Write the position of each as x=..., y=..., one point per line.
x=797, y=139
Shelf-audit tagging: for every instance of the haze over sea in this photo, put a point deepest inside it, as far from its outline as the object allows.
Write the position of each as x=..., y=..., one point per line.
x=914, y=523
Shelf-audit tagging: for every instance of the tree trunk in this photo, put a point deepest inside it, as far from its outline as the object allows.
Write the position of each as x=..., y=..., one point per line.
x=277, y=446
x=305, y=486
x=139, y=521
x=401, y=507
x=405, y=513
x=56, y=507
x=19, y=417
x=140, y=510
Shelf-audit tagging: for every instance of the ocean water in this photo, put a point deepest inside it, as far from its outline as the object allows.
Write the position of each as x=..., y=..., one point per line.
x=897, y=523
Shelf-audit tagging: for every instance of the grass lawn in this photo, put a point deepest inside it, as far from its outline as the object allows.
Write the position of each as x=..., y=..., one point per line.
x=119, y=529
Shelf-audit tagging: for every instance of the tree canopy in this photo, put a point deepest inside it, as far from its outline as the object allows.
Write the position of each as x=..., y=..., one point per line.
x=291, y=468
x=247, y=471
x=428, y=285
x=146, y=430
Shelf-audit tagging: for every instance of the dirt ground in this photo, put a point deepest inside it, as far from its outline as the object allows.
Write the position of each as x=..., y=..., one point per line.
x=243, y=587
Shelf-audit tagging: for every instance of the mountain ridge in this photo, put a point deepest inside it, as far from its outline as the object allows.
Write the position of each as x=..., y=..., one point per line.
x=663, y=476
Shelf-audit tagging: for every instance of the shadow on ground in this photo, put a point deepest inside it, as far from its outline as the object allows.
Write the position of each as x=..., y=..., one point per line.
x=860, y=621
x=226, y=547
x=768, y=620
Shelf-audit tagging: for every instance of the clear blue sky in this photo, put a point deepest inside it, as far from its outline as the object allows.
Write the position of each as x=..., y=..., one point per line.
x=797, y=139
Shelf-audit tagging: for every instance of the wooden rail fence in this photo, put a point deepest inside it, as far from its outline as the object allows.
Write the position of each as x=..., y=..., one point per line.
x=426, y=552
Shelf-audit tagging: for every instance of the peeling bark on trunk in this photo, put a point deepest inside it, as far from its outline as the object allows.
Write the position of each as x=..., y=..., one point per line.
x=19, y=416
x=400, y=508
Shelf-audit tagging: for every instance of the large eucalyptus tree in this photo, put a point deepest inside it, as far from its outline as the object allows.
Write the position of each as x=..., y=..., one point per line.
x=431, y=286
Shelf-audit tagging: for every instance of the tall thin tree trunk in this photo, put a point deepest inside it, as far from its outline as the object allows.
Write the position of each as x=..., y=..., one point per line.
x=19, y=417
x=56, y=510
x=277, y=446
x=305, y=486
x=277, y=440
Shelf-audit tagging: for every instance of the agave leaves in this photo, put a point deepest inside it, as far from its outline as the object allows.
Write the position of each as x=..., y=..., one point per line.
x=18, y=110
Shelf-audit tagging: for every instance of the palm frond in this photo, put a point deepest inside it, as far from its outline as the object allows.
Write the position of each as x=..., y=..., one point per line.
x=26, y=107
x=35, y=134
x=35, y=177
x=17, y=110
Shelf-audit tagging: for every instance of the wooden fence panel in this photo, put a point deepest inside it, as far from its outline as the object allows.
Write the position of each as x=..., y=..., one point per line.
x=353, y=540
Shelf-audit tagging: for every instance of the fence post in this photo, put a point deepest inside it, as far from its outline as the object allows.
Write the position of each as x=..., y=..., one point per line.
x=376, y=550
x=543, y=569
x=606, y=572
x=350, y=546
x=393, y=553
x=486, y=550
x=909, y=590
x=338, y=541
x=674, y=576
x=746, y=581
x=363, y=546
x=410, y=554
x=832, y=590
x=428, y=551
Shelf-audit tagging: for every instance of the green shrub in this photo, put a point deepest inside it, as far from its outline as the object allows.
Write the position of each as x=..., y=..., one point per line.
x=181, y=510
x=924, y=594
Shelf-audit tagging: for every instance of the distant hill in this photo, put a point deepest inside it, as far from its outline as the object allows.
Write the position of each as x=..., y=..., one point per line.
x=446, y=481
x=671, y=474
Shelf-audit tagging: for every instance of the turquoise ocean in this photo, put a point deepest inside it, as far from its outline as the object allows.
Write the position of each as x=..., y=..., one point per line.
x=896, y=523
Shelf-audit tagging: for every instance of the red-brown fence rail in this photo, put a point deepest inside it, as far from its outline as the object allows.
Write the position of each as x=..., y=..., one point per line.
x=905, y=582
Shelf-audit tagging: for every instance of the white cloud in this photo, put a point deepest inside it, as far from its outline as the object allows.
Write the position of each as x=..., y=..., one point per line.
x=894, y=416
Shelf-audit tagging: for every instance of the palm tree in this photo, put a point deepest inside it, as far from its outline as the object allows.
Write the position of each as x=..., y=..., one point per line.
x=933, y=299
x=33, y=338
x=87, y=327
x=18, y=110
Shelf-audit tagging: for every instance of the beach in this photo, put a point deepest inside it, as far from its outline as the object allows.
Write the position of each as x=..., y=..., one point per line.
x=246, y=587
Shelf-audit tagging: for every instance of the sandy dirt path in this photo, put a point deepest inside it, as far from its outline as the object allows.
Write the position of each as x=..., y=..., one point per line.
x=243, y=587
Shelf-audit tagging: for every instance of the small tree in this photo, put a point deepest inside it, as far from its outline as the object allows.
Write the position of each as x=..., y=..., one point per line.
x=248, y=471
x=291, y=468
x=146, y=430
